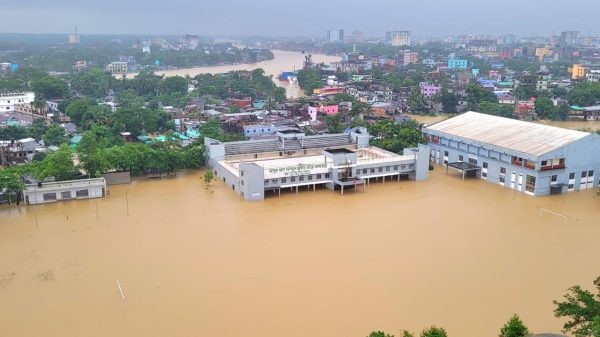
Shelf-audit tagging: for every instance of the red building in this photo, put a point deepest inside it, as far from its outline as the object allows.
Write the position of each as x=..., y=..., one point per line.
x=239, y=102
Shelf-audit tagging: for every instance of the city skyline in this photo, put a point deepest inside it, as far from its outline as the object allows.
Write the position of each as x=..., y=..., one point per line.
x=265, y=18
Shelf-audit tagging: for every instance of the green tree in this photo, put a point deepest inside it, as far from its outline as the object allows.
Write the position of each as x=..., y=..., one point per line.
x=50, y=87
x=58, y=165
x=55, y=136
x=395, y=137
x=38, y=128
x=434, y=332
x=545, y=109
x=309, y=80
x=514, y=328
x=502, y=110
x=449, y=101
x=13, y=132
x=416, y=101
x=335, y=123
x=476, y=95
x=174, y=84
x=77, y=108
x=11, y=183
x=379, y=334
x=208, y=176
x=582, y=308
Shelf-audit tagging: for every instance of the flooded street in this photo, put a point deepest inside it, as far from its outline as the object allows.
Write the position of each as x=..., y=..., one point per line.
x=194, y=261
x=283, y=61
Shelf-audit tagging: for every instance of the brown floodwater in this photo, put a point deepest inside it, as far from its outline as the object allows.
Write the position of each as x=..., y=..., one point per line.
x=194, y=261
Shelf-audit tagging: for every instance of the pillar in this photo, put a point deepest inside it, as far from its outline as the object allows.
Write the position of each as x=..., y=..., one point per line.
x=342, y=186
x=296, y=189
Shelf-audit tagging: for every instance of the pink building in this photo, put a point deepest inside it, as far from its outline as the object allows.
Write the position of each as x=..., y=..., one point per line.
x=429, y=89
x=324, y=109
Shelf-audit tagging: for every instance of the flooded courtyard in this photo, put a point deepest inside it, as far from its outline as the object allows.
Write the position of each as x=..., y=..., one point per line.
x=197, y=261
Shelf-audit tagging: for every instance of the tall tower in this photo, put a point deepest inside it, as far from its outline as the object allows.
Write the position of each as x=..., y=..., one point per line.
x=74, y=38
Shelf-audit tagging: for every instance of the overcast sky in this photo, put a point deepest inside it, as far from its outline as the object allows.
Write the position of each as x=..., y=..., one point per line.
x=300, y=18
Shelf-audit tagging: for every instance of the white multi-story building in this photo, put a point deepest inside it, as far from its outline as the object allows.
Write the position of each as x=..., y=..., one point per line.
x=9, y=100
x=400, y=38
x=117, y=67
x=335, y=35
x=593, y=75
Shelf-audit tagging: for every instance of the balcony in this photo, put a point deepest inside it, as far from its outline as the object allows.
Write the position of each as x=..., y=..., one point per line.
x=553, y=167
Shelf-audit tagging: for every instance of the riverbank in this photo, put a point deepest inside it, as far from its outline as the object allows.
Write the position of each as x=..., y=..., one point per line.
x=283, y=61
x=192, y=259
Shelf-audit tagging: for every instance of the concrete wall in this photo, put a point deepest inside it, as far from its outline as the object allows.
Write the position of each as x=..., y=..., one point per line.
x=37, y=197
x=117, y=178
x=252, y=185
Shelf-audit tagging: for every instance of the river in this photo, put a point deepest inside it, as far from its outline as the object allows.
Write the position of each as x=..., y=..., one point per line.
x=198, y=261
x=283, y=61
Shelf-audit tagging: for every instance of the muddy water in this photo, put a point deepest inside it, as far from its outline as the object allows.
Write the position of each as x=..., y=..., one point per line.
x=283, y=61
x=200, y=262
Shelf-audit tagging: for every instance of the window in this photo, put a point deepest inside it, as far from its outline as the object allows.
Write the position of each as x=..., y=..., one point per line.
x=49, y=196
x=554, y=178
x=485, y=165
x=590, y=173
x=544, y=162
x=293, y=179
x=395, y=167
x=380, y=169
x=460, y=158
x=318, y=176
x=571, y=186
x=472, y=161
x=584, y=174
x=387, y=169
x=530, y=183
x=242, y=182
x=255, y=155
x=242, y=173
x=572, y=175
x=502, y=178
x=484, y=174
x=310, y=177
x=283, y=180
x=446, y=153
x=82, y=193
x=266, y=182
x=326, y=175
x=274, y=181
x=65, y=195
x=372, y=170
x=503, y=170
x=301, y=178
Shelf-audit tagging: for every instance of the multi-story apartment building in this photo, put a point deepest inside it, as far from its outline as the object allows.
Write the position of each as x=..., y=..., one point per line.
x=410, y=58
x=117, y=67
x=577, y=72
x=9, y=100
x=400, y=38
x=335, y=35
x=454, y=63
x=527, y=157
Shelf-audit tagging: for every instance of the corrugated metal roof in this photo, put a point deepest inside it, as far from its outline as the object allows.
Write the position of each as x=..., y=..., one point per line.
x=520, y=136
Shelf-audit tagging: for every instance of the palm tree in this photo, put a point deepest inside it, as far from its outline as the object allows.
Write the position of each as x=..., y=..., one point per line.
x=39, y=103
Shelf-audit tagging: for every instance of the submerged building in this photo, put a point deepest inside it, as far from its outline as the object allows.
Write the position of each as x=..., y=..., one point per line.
x=45, y=192
x=293, y=160
x=532, y=158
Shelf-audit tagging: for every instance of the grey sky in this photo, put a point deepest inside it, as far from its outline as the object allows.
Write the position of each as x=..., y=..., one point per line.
x=306, y=18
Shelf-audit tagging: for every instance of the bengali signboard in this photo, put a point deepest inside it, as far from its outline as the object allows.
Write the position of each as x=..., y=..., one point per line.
x=297, y=170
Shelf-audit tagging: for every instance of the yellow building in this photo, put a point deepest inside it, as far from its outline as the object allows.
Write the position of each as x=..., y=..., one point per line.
x=540, y=53
x=577, y=72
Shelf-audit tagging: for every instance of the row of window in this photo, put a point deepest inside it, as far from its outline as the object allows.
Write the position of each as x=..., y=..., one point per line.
x=309, y=177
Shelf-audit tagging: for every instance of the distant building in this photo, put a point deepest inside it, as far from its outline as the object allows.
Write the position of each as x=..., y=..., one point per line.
x=429, y=89
x=593, y=75
x=259, y=130
x=542, y=81
x=358, y=37
x=568, y=38
x=532, y=158
x=329, y=110
x=410, y=58
x=9, y=100
x=542, y=53
x=117, y=67
x=74, y=38
x=458, y=63
x=335, y=35
x=190, y=41
x=80, y=65
x=400, y=38
x=577, y=72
